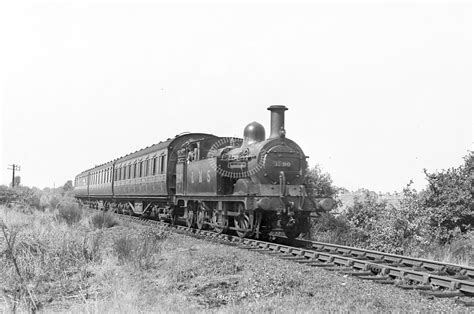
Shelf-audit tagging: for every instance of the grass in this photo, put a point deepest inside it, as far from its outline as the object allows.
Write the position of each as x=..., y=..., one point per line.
x=69, y=212
x=459, y=251
x=104, y=220
x=46, y=258
x=80, y=268
x=140, y=251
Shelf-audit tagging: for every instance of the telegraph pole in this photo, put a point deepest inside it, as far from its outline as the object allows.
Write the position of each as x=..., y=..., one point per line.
x=14, y=168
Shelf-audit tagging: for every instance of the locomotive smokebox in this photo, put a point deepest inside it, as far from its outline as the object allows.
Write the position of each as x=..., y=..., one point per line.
x=277, y=121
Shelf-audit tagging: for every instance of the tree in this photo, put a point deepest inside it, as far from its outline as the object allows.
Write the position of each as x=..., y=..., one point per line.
x=68, y=186
x=448, y=201
x=320, y=183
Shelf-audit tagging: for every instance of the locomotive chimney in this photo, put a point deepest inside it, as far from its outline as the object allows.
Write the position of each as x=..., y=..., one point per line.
x=277, y=121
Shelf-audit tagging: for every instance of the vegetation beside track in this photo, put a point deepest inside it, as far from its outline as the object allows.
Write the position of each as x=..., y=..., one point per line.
x=435, y=223
x=80, y=265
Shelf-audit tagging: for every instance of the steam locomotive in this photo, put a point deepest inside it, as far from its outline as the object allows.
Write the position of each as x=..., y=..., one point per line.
x=252, y=185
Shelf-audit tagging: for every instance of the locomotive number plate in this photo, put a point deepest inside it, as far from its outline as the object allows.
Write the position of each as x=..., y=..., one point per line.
x=280, y=163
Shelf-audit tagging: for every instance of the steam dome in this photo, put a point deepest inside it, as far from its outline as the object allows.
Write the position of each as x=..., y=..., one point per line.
x=254, y=132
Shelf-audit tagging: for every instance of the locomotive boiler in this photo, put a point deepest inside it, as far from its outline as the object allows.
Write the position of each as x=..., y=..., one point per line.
x=252, y=185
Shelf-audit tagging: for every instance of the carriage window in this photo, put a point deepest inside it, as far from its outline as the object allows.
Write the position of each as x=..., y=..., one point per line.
x=162, y=163
x=147, y=166
x=153, y=166
x=140, y=169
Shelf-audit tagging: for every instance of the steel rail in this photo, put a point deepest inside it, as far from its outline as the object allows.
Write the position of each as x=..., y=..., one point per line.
x=366, y=264
x=391, y=259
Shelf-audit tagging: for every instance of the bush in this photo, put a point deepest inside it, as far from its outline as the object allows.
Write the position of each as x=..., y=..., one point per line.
x=7, y=194
x=447, y=202
x=54, y=201
x=69, y=212
x=104, y=220
x=319, y=183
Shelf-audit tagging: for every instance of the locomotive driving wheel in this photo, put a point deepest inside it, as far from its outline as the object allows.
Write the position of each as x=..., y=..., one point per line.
x=201, y=217
x=189, y=217
x=220, y=222
x=242, y=222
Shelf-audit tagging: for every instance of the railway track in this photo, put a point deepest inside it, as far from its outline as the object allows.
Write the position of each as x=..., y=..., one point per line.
x=433, y=278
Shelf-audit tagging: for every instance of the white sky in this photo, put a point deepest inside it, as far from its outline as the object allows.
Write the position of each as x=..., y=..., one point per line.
x=376, y=91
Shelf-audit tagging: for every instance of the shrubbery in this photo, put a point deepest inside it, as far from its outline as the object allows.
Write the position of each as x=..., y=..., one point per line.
x=34, y=198
x=435, y=220
x=69, y=212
